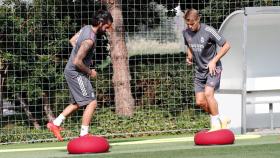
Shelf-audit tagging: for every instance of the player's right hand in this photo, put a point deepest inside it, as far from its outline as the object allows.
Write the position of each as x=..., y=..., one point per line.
x=93, y=73
x=189, y=61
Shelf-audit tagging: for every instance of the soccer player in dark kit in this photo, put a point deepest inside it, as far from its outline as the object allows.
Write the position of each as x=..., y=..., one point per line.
x=201, y=41
x=77, y=73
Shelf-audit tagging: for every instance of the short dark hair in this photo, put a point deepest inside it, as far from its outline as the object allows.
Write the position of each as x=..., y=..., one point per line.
x=101, y=16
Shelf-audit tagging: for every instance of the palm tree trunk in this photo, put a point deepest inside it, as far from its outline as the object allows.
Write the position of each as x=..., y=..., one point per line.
x=119, y=56
x=47, y=107
x=2, y=79
x=1, y=96
x=28, y=112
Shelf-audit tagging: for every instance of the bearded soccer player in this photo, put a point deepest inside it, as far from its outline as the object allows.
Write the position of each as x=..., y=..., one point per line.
x=77, y=73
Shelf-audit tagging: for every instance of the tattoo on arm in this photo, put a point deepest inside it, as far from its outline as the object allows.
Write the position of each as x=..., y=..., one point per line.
x=86, y=46
x=82, y=53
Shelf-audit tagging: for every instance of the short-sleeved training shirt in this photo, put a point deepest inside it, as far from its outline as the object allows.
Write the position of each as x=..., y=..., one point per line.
x=203, y=45
x=81, y=90
x=86, y=33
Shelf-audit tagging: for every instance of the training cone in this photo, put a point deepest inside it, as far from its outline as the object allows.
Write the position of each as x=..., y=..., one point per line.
x=219, y=137
x=88, y=144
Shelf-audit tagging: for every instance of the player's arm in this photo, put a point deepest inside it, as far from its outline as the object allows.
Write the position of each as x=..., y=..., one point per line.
x=82, y=53
x=224, y=49
x=221, y=41
x=212, y=64
x=74, y=39
x=189, y=57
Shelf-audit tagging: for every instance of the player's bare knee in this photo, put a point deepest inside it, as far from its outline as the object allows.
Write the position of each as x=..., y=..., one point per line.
x=201, y=103
x=75, y=106
x=93, y=103
x=209, y=95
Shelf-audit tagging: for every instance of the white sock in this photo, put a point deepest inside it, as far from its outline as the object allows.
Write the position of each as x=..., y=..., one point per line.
x=59, y=120
x=221, y=117
x=84, y=130
x=215, y=120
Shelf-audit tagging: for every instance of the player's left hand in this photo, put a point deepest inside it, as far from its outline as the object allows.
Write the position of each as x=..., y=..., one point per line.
x=212, y=67
x=93, y=73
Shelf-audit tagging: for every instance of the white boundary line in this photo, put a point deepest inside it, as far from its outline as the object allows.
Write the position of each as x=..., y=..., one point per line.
x=152, y=141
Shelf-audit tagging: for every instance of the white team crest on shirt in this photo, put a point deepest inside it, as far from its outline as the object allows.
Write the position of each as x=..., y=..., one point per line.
x=202, y=40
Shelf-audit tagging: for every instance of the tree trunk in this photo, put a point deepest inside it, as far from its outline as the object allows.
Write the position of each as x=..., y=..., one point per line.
x=2, y=79
x=1, y=96
x=119, y=56
x=28, y=113
x=47, y=107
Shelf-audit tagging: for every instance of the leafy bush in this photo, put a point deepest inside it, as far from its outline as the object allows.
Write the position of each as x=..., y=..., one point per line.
x=146, y=121
x=36, y=50
x=163, y=90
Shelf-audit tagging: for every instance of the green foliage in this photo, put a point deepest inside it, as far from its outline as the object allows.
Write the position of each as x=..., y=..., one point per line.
x=34, y=46
x=162, y=80
x=146, y=121
x=162, y=87
x=35, y=39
